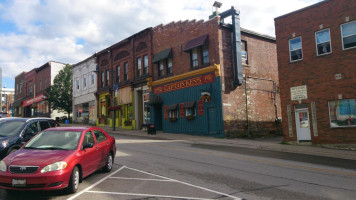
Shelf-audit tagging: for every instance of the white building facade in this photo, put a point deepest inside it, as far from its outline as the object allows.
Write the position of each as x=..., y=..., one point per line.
x=84, y=89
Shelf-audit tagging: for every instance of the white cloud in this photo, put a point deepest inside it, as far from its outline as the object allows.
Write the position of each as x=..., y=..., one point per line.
x=49, y=30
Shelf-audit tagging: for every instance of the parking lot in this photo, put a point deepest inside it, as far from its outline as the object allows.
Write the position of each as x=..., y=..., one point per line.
x=130, y=183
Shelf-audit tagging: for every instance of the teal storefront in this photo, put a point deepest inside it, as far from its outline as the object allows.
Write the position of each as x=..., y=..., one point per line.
x=189, y=103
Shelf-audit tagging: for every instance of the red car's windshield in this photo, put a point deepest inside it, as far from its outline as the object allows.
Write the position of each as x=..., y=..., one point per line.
x=55, y=140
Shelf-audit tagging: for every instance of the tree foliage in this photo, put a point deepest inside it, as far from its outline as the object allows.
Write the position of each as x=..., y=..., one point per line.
x=60, y=93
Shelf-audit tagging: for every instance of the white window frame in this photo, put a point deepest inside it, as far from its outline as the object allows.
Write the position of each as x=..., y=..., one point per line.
x=342, y=37
x=301, y=48
x=316, y=43
x=138, y=66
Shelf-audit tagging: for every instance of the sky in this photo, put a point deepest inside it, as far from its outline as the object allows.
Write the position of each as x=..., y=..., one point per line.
x=33, y=32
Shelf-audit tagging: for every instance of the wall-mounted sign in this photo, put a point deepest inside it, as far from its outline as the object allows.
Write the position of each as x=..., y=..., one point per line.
x=200, y=108
x=205, y=97
x=299, y=92
x=227, y=104
x=38, y=98
x=199, y=80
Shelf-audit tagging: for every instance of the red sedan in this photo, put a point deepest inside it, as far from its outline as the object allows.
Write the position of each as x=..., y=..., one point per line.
x=58, y=158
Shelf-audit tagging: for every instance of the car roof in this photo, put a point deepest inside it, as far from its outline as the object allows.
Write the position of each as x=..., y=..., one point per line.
x=23, y=119
x=70, y=128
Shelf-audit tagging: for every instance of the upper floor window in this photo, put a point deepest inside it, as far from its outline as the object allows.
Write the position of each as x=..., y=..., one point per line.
x=295, y=49
x=117, y=74
x=199, y=51
x=126, y=71
x=30, y=90
x=169, y=66
x=205, y=54
x=348, y=33
x=244, y=52
x=84, y=82
x=145, y=64
x=92, y=79
x=161, y=68
x=194, y=57
x=322, y=40
x=40, y=85
x=77, y=84
x=138, y=66
x=107, y=78
x=102, y=79
x=17, y=88
x=45, y=84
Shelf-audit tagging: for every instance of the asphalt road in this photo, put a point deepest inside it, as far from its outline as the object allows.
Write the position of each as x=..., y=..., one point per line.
x=170, y=169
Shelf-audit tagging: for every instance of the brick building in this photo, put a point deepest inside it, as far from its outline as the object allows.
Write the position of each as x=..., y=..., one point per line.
x=19, y=95
x=205, y=83
x=317, y=72
x=30, y=91
x=125, y=64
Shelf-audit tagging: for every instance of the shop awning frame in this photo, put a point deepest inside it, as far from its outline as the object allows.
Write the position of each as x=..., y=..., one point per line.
x=172, y=107
x=196, y=42
x=162, y=55
x=189, y=104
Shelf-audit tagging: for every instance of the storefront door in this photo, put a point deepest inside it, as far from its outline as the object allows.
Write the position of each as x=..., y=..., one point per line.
x=302, y=123
x=212, y=120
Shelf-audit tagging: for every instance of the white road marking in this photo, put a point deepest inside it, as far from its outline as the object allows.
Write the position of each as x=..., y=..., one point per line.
x=141, y=179
x=184, y=183
x=90, y=187
x=148, y=195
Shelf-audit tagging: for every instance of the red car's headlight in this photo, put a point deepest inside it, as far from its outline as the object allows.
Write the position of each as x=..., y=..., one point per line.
x=2, y=166
x=54, y=167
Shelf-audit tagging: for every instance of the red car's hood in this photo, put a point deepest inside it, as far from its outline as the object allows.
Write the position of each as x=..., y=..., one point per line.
x=32, y=157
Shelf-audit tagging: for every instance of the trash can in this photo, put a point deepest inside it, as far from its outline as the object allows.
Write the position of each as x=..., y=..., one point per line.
x=151, y=129
x=67, y=121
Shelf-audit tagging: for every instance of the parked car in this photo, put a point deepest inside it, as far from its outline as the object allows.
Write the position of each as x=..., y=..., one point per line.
x=14, y=132
x=3, y=114
x=58, y=158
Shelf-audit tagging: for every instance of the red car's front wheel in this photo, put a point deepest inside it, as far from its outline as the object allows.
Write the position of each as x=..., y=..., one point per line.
x=73, y=181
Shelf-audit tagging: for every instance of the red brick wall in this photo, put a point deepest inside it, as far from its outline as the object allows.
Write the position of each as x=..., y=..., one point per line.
x=43, y=75
x=317, y=72
x=176, y=35
x=262, y=64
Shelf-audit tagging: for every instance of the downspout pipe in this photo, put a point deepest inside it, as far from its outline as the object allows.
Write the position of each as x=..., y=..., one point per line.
x=236, y=45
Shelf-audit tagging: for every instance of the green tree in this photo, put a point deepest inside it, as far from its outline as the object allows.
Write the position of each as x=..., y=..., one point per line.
x=60, y=93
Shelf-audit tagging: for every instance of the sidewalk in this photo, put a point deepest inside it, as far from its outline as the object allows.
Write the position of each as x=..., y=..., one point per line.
x=260, y=143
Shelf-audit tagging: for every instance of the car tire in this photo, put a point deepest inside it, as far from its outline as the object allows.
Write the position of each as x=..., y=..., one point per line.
x=109, y=163
x=73, y=181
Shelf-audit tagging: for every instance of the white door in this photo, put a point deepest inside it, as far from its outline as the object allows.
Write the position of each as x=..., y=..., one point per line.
x=302, y=123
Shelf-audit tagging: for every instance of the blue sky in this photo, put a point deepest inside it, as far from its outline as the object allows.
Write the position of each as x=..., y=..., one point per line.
x=33, y=32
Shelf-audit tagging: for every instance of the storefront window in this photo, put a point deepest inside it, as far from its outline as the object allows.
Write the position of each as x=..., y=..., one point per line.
x=342, y=113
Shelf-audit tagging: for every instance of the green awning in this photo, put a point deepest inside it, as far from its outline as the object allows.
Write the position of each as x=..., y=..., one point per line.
x=162, y=55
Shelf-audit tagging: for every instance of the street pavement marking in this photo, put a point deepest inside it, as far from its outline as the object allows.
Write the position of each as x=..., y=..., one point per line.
x=184, y=183
x=86, y=190
x=148, y=195
x=90, y=187
x=140, y=179
x=262, y=161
